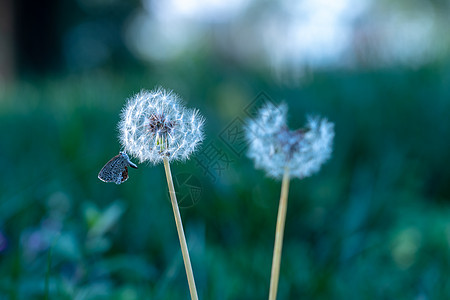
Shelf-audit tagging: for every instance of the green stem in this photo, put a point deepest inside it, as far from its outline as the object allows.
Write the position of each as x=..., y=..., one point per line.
x=281, y=218
x=182, y=238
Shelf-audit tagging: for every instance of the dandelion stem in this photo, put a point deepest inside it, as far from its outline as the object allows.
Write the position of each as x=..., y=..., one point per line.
x=282, y=208
x=183, y=244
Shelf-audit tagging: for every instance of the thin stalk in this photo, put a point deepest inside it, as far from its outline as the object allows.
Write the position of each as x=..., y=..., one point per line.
x=183, y=244
x=281, y=218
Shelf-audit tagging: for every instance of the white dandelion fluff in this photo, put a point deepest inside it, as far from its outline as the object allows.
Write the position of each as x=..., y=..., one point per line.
x=273, y=147
x=154, y=124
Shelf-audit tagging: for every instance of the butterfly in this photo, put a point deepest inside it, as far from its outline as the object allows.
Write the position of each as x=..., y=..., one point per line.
x=116, y=170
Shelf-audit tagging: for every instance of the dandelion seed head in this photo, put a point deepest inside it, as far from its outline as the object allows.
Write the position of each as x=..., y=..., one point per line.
x=273, y=147
x=154, y=124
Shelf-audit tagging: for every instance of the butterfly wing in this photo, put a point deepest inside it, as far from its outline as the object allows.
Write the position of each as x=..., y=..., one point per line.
x=112, y=171
x=105, y=173
x=123, y=177
x=116, y=169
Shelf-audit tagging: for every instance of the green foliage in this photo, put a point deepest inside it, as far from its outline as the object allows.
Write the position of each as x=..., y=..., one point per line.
x=373, y=223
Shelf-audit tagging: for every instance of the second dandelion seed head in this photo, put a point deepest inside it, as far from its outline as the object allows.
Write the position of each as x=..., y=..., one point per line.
x=274, y=147
x=154, y=124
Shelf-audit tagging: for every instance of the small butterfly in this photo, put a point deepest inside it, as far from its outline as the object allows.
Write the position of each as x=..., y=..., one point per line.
x=116, y=169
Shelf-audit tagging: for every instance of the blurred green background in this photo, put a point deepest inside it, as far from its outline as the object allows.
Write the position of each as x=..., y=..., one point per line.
x=372, y=224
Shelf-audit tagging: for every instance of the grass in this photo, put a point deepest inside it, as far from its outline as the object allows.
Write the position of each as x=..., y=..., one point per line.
x=373, y=222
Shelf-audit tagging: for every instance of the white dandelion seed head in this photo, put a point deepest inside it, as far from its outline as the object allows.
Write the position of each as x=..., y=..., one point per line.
x=154, y=124
x=273, y=147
